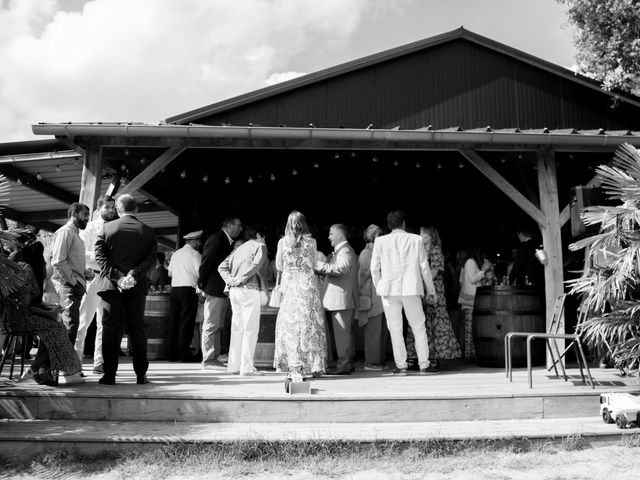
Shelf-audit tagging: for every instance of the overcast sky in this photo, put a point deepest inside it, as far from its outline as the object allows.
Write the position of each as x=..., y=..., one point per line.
x=146, y=60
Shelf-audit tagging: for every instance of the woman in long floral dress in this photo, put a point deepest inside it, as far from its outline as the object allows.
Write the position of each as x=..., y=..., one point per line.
x=443, y=344
x=300, y=341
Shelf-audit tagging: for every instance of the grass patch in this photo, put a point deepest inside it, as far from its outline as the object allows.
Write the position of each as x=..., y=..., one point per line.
x=323, y=459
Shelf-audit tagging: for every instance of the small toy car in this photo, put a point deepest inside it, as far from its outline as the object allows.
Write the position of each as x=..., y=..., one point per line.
x=621, y=408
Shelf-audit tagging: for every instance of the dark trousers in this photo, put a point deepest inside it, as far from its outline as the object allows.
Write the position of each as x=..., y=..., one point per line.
x=183, y=307
x=70, y=299
x=120, y=309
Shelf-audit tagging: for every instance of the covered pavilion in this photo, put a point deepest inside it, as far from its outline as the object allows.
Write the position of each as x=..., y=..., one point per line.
x=447, y=129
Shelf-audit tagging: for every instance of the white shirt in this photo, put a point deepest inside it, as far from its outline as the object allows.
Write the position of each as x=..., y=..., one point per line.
x=89, y=236
x=184, y=266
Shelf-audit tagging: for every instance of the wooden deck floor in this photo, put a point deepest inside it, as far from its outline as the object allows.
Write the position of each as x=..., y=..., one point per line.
x=458, y=379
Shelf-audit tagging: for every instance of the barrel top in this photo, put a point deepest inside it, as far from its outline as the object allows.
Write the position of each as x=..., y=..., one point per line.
x=506, y=290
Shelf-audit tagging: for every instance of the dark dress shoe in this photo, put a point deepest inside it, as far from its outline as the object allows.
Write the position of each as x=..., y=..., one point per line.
x=142, y=380
x=340, y=372
x=107, y=380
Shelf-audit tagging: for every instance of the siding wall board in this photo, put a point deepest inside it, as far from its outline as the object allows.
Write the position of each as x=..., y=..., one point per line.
x=458, y=83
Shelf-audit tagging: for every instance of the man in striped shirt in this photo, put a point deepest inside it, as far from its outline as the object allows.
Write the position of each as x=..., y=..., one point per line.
x=70, y=273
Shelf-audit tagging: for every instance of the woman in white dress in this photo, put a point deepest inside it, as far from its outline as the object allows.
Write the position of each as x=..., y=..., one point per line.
x=300, y=341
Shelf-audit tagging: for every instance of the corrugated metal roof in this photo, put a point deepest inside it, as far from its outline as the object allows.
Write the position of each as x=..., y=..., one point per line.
x=356, y=67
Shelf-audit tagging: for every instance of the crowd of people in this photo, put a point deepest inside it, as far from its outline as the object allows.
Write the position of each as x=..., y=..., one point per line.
x=399, y=290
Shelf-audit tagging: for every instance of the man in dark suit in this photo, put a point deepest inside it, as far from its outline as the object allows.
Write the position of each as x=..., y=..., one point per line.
x=216, y=305
x=125, y=251
x=526, y=268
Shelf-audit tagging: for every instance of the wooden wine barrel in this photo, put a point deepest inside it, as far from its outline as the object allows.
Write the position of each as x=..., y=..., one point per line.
x=263, y=356
x=156, y=319
x=502, y=309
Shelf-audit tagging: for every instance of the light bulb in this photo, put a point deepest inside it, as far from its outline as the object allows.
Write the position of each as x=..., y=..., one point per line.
x=250, y=179
x=439, y=166
x=38, y=176
x=294, y=172
x=273, y=177
x=417, y=164
x=123, y=167
x=227, y=180
x=143, y=160
x=126, y=152
x=374, y=159
x=461, y=165
x=19, y=181
x=353, y=154
x=316, y=165
x=336, y=156
x=183, y=175
x=395, y=163
x=205, y=179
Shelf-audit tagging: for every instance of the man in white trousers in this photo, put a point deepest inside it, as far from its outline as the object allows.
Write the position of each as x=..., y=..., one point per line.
x=241, y=272
x=399, y=268
x=105, y=212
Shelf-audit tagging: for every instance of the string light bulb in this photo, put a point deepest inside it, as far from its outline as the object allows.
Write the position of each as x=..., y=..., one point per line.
x=336, y=156
x=250, y=179
x=205, y=179
x=396, y=163
x=38, y=176
x=19, y=181
x=126, y=152
x=353, y=154
x=227, y=180
x=183, y=174
x=294, y=172
x=123, y=167
x=461, y=165
x=439, y=166
x=374, y=159
x=143, y=160
x=316, y=165
x=417, y=164
x=273, y=177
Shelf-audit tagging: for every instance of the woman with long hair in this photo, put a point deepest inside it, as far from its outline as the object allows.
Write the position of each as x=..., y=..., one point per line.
x=300, y=341
x=471, y=278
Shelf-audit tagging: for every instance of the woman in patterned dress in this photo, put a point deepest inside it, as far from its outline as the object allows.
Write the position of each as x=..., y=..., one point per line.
x=22, y=310
x=443, y=344
x=300, y=342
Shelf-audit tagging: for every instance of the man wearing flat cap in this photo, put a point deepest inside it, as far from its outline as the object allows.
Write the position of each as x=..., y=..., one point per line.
x=183, y=302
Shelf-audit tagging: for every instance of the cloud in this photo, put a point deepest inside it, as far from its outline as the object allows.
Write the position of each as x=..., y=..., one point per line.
x=145, y=60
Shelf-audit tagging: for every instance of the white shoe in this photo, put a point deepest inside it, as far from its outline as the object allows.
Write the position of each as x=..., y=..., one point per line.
x=74, y=379
x=27, y=375
x=253, y=373
x=222, y=358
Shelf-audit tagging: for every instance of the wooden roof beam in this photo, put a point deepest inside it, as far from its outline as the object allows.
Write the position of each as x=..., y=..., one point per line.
x=58, y=214
x=509, y=190
x=14, y=173
x=152, y=170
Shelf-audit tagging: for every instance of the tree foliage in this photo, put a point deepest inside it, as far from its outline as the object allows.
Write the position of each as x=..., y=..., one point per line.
x=610, y=284
x=607, y=37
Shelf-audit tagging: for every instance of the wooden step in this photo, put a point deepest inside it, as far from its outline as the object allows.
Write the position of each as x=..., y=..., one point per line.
x=183, y=393
x=25, y=438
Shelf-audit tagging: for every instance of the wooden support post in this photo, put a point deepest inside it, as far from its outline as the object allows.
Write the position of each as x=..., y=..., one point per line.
x=148, y=173
x=91, y=176
x=551, y=237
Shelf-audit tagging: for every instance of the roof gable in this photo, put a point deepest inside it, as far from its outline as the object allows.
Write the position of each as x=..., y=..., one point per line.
x=351, y=79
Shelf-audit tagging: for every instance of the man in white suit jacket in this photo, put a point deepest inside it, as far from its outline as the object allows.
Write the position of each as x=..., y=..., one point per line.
x=399, y=268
